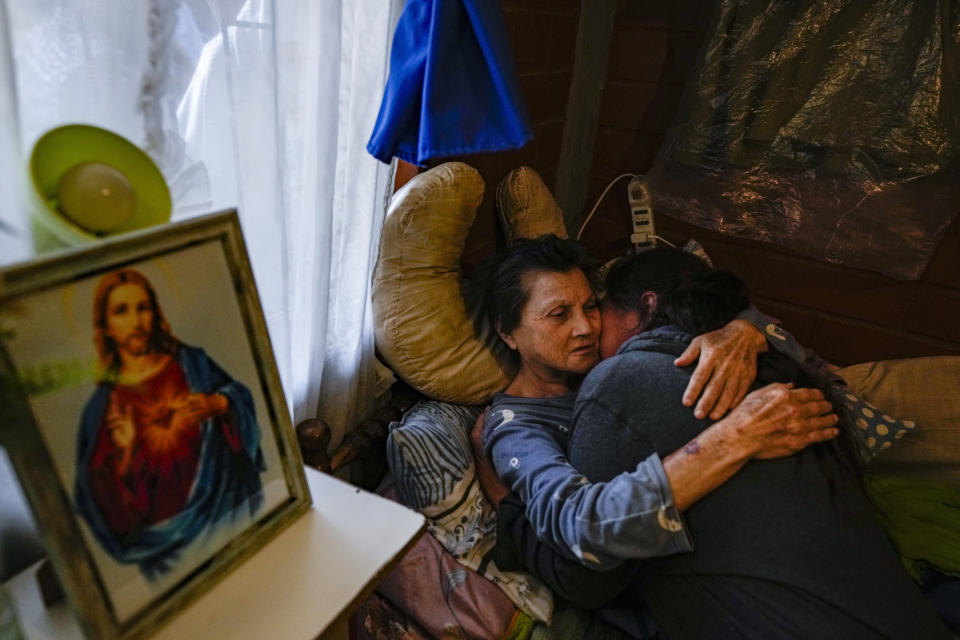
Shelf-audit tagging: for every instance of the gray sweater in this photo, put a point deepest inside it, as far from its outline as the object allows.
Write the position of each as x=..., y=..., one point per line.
x=786, y=548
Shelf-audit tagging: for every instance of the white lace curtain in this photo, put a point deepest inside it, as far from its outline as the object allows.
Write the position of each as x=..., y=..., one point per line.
x=263, y=105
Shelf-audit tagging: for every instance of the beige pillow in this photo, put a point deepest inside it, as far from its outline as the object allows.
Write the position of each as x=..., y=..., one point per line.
x=927, y=391
x=527, y=208
x=422, y=325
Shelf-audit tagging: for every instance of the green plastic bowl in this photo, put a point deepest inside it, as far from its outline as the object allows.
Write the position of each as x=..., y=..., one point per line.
x=64, y=147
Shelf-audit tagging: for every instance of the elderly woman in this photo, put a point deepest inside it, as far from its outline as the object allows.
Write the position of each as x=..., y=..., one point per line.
x=543, y=307
x=786, y=547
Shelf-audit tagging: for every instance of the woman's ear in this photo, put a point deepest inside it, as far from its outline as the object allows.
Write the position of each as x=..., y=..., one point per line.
x=648, y=305
x=508, y=339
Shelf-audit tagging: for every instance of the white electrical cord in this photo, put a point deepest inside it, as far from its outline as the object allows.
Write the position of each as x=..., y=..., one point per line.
x=600, y=199
x=663, y=240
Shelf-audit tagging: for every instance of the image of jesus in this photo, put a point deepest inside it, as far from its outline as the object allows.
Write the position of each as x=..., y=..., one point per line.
x=169, y=443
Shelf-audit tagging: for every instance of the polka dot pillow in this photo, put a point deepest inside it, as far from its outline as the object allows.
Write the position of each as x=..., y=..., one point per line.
x=875, y=430
x=926, y=390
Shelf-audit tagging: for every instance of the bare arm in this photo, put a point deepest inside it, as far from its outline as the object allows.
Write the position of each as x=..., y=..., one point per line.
x=490, y=484
x=771, y=422
x=727, y=364
x=727, y=361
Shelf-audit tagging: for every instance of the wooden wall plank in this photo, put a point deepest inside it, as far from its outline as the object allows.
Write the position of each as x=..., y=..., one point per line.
x=853, y=315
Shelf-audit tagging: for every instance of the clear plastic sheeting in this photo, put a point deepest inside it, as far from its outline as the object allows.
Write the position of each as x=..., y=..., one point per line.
x=828, y=127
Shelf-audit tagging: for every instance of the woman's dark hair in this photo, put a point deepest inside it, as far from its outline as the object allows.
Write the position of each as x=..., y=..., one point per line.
x=703, y=303
x=690, y=294
x=697, y=299
x=501, y=277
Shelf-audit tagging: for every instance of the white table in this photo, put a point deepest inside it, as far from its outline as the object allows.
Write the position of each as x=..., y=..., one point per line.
x=303, y=583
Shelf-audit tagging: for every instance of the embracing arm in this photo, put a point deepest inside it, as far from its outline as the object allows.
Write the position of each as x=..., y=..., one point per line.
x=519, y=549
x=599, y=524
x=771, y=422
x=636, y=513
x=727, y=365
x=727, y=361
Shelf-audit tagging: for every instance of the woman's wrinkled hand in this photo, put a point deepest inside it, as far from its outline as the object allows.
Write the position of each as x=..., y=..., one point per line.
x=779, y=420
x=726, y=367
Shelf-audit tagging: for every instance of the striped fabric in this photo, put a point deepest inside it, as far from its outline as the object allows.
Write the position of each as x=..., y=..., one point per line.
x=429, y=454
x=432, y=463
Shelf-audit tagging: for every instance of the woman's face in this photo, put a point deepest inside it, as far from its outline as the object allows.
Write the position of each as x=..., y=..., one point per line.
x=559, y=328
x=618, y=326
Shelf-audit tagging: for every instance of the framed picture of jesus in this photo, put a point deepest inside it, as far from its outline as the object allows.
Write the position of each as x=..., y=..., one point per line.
x=143, y=412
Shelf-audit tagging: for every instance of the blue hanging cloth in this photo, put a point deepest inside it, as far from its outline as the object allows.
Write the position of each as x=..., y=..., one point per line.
x=452, y=88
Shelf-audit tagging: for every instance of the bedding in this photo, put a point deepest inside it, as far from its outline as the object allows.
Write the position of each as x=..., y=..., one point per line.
x=915, y=486
x=926, y=391
x=447, y=599
x=923, y=520
x=430, y=457
x=379, y=619
x=429, y=595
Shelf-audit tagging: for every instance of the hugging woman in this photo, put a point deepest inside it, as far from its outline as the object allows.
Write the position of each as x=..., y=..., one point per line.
x=744, y=530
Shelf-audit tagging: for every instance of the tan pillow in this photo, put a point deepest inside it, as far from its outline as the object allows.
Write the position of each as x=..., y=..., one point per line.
x=527, y=208
x=927, y=391
x=423, y=329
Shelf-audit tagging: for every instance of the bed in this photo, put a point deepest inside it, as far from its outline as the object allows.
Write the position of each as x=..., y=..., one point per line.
x=448, y=365
x=429, y=333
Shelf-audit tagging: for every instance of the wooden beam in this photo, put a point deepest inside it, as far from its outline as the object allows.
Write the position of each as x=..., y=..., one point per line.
x=594, y=32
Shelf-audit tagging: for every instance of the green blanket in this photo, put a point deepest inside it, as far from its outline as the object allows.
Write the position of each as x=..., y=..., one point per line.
x=922, y=518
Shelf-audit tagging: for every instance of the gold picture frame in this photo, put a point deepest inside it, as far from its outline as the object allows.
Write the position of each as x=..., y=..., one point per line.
x=151, y=436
